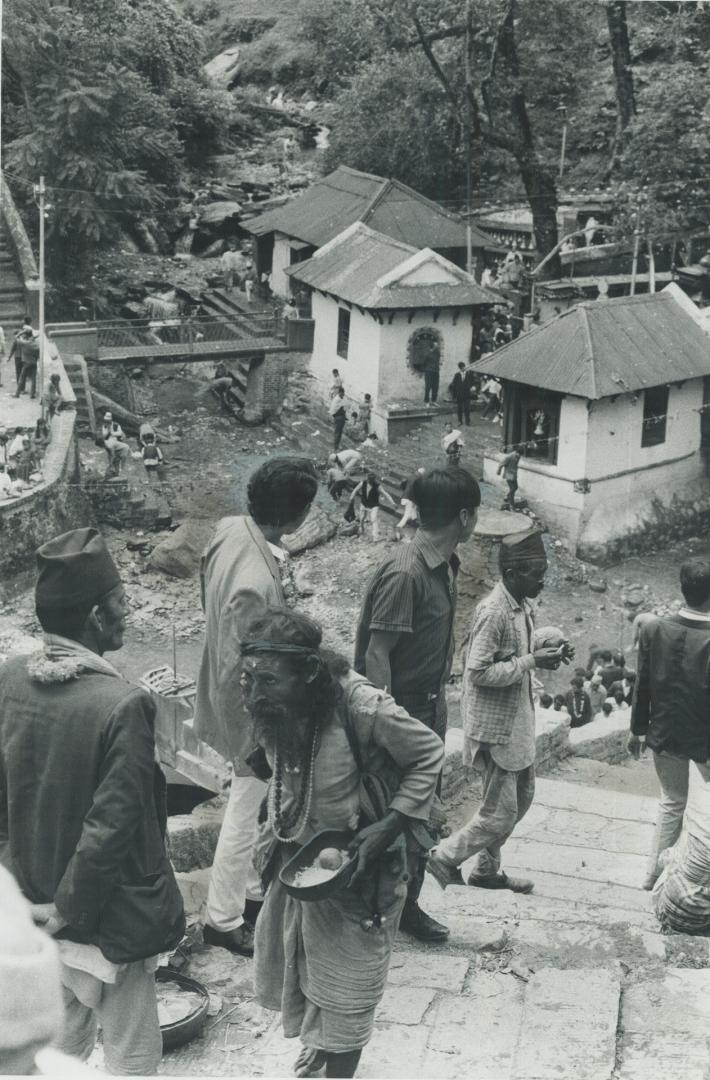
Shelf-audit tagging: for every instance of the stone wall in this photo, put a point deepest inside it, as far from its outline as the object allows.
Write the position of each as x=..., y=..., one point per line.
x=56, y=506
x=604, y=739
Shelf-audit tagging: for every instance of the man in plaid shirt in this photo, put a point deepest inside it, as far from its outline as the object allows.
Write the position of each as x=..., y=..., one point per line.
x=499, y=714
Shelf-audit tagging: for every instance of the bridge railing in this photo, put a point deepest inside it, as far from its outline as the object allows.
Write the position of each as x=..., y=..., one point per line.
x=187, y=331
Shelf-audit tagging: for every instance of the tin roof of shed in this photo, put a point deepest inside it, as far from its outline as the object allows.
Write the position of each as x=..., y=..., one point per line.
x=373, y=271
x=388, y=206
x=606, y=347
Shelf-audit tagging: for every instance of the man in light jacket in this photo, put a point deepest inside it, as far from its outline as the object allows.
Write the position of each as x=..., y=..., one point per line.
x=499, y=715
x=82, y=807
x=241, y=577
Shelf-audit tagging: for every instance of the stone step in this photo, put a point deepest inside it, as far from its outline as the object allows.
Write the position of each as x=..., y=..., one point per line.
x=664, y=1027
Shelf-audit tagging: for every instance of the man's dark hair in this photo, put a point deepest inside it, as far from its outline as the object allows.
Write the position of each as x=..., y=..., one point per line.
x=605, y=655
x=559, y=699
x=287, y=627
x=619, y=659
x=281, y=489
x=440, y=494
x=461, y=365
x=695, y=581
x=619, y=697
x=577, y=682
x=545, y=700
x=606, y=708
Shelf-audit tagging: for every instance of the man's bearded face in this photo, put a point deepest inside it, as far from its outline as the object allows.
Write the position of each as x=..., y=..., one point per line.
x=276, y=697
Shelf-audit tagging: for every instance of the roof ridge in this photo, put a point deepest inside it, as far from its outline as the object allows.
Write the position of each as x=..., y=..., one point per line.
x=424, y=199
x=353, y=172
x=374, y=201
x=587, y=331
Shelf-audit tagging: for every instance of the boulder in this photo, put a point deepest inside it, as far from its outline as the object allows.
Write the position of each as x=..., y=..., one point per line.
x=223, y=69
x=316, y=529
x=216, y=214
x=179, y=554
x=304, y=584
x=598, y=586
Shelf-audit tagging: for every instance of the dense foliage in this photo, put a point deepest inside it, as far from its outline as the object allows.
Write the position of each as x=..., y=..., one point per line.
x=107, y=99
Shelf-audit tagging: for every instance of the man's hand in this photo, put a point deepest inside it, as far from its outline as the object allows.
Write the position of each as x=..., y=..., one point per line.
x=548, y=658
x=636, y=746
x=372, y=841
x=47, y=916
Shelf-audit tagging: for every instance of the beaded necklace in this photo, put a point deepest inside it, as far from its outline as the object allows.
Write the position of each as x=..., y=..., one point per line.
x=295, y=819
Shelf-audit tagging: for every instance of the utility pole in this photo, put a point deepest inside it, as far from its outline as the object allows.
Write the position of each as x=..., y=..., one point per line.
x=40, y=192
x=637, y=240
x=469, y=140
x=562, y=108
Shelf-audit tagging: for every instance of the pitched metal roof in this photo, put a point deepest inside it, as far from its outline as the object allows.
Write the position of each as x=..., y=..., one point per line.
x=388, y=206
x=607, y=347
x=374, y=271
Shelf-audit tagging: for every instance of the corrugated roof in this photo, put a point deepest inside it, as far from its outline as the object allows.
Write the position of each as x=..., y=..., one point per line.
x=607, y=347
x=366, y=268
x=388, y=206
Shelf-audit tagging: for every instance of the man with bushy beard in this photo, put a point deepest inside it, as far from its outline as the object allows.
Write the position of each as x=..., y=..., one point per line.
x=341, y=755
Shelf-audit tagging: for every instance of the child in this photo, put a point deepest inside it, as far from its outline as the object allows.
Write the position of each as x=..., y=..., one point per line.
x=558, y=703
x=336, y=383
x=452, y=445
x=152, y=457
x=607, y=708
x=371, y=496
x=545, y=701
x=509, y=468
x=597, y=693
x=366, y=413
x=578, y=704
x=54, y=399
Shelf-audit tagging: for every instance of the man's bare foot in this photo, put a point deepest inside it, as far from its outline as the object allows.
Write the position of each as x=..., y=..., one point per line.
x=310, y=1062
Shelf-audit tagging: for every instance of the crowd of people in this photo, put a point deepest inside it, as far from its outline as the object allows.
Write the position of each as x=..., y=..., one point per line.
x=315, y=741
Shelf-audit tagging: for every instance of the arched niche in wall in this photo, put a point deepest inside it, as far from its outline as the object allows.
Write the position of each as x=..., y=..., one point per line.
x=425, y=350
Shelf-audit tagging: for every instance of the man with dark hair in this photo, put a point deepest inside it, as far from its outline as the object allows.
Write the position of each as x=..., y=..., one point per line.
x=460, y=392
x=241, y=576
x=671, y=703
x=336, y=408
x=499, y=714
x=614, y=670
x=405, y=637
x=509, y=468
x=82, y=807
x=323, y=730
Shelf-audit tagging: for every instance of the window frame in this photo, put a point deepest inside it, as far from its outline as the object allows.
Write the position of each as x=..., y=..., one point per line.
x=342, y=341
x=654, y=422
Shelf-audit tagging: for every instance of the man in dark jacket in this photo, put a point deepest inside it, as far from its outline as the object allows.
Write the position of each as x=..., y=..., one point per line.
x=671, y=704
x=82, y=814
x=460, y=391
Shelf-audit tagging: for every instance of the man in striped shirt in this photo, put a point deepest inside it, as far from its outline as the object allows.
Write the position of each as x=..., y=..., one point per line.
x=405, y=639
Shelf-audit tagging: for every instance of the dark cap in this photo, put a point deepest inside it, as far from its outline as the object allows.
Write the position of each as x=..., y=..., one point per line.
x=75, y=569
x=522, y=547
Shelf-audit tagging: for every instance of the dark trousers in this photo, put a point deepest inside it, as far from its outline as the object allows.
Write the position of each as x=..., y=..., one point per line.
x=463, y=408
x=18, y=368
x=338, y=425
x=29, y=371
x=431, y=385
x=492, y=407
x=434, y=715
x=512, y=488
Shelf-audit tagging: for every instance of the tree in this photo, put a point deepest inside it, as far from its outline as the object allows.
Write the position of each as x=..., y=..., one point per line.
x=623, y=75
x=100, y=104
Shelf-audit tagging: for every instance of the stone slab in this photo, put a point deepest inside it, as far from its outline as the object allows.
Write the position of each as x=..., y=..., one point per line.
x=569, y=827
x=678, y=1004
x=503, y=908
x=614, y=805
x=476, y=1036
x=569, y=1026
x=585, y=945
x=439, y=972
x=395, y=1052
x=523, y=856
x=664, y=1056
x=405, y=1004
x=597, y=893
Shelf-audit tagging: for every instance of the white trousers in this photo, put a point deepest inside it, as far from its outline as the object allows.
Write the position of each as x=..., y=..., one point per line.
x=233, y=876
x=373, y=513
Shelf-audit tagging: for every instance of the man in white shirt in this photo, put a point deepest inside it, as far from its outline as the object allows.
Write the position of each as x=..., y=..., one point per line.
x=233, y=264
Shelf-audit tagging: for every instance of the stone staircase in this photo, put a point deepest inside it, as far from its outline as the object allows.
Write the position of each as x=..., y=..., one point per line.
x=573, y=982
x=12, y=293
x=231, y=306
x=78, y=375
x=128, y=505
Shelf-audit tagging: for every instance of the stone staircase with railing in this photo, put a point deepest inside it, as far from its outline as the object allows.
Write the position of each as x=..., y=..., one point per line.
x=78, y=375
x=12, y=293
